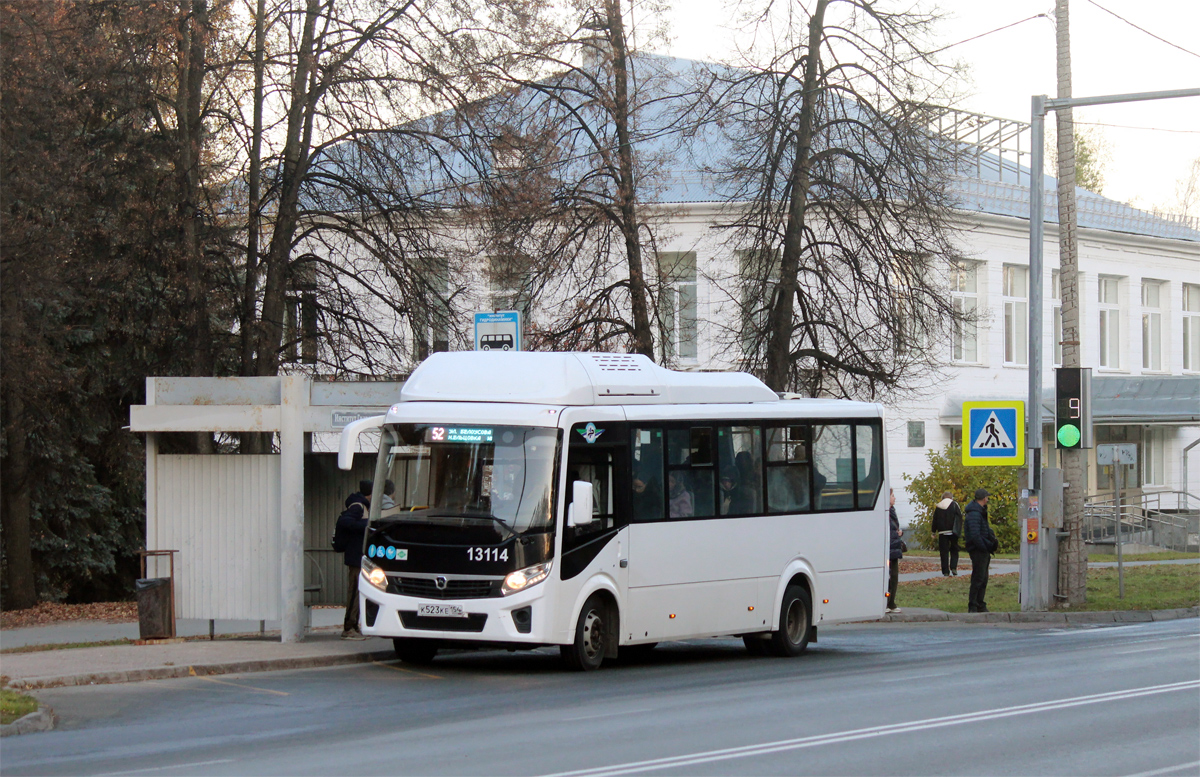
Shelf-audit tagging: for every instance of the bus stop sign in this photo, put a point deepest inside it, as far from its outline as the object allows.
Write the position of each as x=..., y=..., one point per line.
x=499, y=331
x=993, y=434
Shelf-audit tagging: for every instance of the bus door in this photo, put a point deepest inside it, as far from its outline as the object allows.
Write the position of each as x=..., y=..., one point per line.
x=598, y=453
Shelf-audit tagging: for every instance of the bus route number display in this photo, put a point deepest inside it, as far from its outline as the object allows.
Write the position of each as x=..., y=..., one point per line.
x=463, y=434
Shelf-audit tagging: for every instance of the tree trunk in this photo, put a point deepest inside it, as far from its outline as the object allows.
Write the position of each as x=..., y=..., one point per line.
x=643, y=337
x=295, y=157
x=18, y=509
x=779, y=343
x=1072, y=554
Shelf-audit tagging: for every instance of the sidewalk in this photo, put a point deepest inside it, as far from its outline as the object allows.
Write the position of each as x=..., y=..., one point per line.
x=134, y=663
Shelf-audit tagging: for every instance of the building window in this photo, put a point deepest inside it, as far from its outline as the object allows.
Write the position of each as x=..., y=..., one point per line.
x=964, y=293
x=759, y=271
x=1056, y=315
x=1152, y=299
x=916, y=434
x=1191, y=327
x=1110, y=323
x=1016, y=314
x=431, y=315
x=956, y=436
x=508, y=279
x=1154, y=458
x=677, y=305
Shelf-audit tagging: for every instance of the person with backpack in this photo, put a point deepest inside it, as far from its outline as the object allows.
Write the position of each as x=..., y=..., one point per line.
x=981, y=543
x=947, y=528
x=348, y=537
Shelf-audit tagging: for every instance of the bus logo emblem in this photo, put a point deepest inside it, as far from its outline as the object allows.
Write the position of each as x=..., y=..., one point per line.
x=440, y=582
x=591, y=433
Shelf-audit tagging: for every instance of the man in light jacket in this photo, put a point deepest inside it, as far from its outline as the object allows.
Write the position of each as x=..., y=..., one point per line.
x=947, y=527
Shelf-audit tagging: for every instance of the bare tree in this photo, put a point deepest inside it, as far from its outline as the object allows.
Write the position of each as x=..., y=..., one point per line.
x=840, y=199
x=576, y=149
x=346, y=179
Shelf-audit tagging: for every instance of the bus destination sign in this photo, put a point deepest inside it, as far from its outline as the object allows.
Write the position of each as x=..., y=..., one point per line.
x=464, y=434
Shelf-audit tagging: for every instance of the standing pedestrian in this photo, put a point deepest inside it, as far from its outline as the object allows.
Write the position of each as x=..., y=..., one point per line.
x=350, y=532
x=947, y=527
x=981, y=544
x=895, y=552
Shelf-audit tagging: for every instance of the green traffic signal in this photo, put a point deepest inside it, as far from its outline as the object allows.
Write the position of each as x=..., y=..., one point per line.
x=1068, y=435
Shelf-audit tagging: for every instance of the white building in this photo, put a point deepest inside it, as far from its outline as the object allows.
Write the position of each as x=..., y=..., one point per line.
x=1140, y=308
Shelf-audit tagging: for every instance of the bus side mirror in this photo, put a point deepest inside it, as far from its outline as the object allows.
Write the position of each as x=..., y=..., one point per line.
x=579, y=512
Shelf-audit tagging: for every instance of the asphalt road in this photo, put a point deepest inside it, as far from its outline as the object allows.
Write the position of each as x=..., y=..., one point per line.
x=919, y=699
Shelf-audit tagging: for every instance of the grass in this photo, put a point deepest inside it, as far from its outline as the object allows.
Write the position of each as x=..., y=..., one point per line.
x=1166, y=555
x=65, y=646
x=1146, y=588
x=14, y=706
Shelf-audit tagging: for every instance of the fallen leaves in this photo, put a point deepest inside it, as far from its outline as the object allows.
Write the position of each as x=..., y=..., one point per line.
x=48, y=613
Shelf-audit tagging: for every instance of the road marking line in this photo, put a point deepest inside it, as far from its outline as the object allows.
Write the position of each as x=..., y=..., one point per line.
x=609, y=714
x=1167, y=770
x=169, y=766
x=407, y=670
x=242, y=685
x=906, y=678
x=1144, y=650
x=766, y=748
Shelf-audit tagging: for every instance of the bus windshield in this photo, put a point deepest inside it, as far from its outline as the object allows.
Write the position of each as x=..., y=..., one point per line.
x=458, y=473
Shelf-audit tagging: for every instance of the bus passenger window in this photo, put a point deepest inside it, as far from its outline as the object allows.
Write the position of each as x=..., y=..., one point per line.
x=740, y=451
x=788, y=487
x=868, y=449
x=648, y=495
x=833, y=472
x=691, y=481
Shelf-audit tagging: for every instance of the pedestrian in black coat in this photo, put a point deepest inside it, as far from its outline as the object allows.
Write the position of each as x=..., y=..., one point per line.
x=981, y=543
x=352, y=525
x=947, y=528
x=895, y=552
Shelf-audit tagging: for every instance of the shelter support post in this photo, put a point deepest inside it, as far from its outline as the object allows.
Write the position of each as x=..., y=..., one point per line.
x=291, y=507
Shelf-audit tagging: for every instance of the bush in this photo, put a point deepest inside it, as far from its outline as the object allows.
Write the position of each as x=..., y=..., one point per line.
x=947, y=473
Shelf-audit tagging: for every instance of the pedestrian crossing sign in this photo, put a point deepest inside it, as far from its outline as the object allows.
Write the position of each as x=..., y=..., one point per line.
x=993, y=434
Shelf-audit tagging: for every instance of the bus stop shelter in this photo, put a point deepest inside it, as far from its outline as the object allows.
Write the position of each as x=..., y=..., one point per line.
x=252, y=531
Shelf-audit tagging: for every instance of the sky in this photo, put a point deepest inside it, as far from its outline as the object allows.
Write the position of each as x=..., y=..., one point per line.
x=1108, y=56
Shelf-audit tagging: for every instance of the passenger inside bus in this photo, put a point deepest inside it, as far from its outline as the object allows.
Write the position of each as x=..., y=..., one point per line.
x=680, y=504
x=647, y=498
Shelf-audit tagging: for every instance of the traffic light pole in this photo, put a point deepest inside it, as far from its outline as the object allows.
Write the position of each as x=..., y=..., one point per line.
x=1034, y=565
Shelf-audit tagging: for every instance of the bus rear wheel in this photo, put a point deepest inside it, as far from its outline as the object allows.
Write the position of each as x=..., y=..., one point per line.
x=415, y=651
x=587, y=651
x=795, y=623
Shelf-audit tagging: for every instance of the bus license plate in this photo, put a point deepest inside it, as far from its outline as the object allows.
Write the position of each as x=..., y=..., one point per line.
x=441, y=610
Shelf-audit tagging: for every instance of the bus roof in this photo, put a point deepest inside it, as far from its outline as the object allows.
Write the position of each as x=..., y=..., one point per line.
x=573, y=379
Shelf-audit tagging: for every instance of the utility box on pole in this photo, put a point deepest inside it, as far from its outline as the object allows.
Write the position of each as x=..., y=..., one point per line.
x=1040, y=516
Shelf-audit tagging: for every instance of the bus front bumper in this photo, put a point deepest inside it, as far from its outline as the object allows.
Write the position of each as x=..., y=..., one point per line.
x=522, y=617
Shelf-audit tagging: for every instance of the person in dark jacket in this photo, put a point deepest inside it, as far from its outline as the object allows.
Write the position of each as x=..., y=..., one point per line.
x=981, y=543
x=947, y=528
x=895, y=552
x=352, y=524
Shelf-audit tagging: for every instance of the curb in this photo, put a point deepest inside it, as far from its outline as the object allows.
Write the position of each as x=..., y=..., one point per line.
x=197, y=670
x=42, y=719
x=1065, y=618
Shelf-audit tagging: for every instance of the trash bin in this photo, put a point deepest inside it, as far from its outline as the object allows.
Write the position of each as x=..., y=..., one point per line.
x=154, y=608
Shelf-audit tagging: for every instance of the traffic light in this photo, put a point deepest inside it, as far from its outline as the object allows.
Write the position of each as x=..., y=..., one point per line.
x=1073, y=407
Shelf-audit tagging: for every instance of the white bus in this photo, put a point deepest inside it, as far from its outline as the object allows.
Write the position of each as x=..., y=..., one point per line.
x=604, y=504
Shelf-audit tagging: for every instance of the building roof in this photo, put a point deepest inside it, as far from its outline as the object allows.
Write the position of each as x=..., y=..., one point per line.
x=1158, y=399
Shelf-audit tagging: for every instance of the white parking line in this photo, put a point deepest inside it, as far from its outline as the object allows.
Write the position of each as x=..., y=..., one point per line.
x=169, y=766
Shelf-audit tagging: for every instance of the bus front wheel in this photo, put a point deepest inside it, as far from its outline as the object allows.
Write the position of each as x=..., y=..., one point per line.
x=795, y=623
x=415, y=651
x=587, y=652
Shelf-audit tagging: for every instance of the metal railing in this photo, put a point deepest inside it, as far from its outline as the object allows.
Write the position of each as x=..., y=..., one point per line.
x=1159, y=519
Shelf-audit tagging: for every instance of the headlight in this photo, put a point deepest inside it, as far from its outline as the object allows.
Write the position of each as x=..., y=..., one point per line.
x=522, y=579
x=375, y=576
